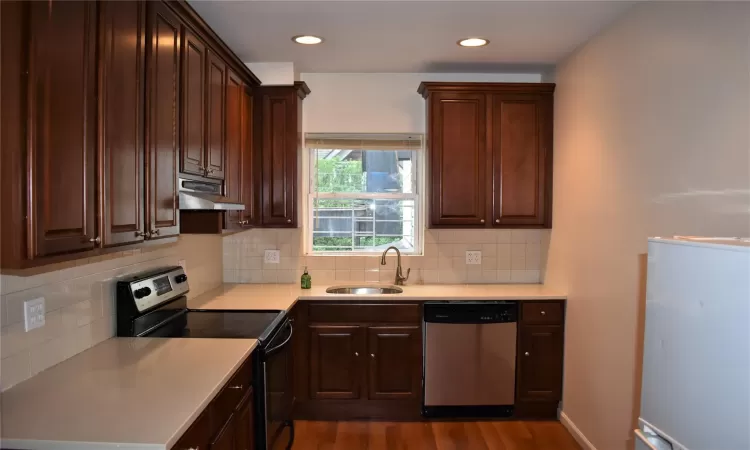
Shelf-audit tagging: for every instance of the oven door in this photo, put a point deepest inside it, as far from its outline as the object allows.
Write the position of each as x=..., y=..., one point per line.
x=279, y=398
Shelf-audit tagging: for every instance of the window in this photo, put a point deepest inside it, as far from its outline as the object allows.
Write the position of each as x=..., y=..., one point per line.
x=363, y=193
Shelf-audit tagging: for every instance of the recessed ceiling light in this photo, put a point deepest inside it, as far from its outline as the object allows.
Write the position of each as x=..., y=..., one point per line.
x=307, y=39
x=473, y=42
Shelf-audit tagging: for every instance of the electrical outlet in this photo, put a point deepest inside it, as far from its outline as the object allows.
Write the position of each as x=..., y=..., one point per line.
x=33, y=313
x=272, y=257
x=473, y=257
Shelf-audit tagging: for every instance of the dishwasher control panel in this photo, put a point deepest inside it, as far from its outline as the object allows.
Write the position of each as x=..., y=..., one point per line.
x=470, y=312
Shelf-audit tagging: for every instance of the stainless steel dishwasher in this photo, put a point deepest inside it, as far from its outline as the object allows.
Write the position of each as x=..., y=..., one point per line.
x=469, y=359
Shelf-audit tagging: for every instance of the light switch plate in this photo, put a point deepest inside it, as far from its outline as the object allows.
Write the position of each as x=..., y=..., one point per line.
x=33, y=313
x=272, y=257
x=473, y=257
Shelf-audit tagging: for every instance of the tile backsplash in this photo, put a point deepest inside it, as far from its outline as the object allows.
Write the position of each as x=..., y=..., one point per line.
x=508, y=256
x=79, y=299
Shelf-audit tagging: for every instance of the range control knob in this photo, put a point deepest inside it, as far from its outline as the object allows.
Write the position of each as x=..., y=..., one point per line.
x=181, y=278
x=142, y=292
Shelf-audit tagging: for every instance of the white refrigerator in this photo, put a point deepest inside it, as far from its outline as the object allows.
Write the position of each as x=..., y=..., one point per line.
x=696, y=357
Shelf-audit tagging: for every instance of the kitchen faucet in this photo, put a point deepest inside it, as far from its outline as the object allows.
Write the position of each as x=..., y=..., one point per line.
x=400, y=278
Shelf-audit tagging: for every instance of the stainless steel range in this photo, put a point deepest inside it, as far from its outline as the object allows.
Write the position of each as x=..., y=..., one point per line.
x=153, y=304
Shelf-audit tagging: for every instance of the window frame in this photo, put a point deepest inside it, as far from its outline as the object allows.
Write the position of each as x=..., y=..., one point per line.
x=416, y=196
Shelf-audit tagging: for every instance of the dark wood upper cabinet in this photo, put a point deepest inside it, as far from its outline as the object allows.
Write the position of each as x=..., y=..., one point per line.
x=395, y=363
x=62, y=128
x=490, y=154
x=193, y=104
x=215, y=116
x=122, y=27
x=279, y=135
x=521, y=141
x=163, y=112
x=458, y=158
x=235, y=175
x=335, y=355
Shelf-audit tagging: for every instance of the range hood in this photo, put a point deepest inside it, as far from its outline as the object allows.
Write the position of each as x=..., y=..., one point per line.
x=205, y=196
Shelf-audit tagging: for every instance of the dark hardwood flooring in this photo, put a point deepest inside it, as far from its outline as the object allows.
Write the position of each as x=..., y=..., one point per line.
x=497, y=435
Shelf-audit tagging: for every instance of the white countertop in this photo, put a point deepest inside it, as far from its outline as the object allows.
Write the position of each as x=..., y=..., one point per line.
x=284, y=296
x=125, y=393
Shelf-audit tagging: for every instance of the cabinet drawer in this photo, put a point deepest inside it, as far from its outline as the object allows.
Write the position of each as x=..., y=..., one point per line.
x=197, y=436
x=365, y=312
x=230, y=396
x=542, y=312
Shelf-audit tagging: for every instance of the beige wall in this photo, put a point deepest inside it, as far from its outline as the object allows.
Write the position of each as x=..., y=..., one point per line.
x=652, y=138
x=79, y=299
x=508, y=256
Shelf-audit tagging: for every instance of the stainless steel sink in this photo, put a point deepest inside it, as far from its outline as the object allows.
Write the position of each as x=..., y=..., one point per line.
x=364, y=290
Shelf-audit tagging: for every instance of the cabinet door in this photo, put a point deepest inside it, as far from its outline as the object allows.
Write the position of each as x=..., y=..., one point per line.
x=122, y=104
x=225, y=439
x=215, y=116
x=335, y=361
x=395, y=362
x=193, y=104
x=243, y=426
x=62, y=128
x=197, y=436
x=163, y=110
x=521, y=140
x=279, y=156
x=233, y=178
x=540, y=363
x=249, y=174
x=458, y=158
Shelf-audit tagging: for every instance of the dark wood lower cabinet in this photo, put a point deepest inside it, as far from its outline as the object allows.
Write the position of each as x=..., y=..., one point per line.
x=364, y=360
x=227, y=422
x=335, y=368
x=394, y=362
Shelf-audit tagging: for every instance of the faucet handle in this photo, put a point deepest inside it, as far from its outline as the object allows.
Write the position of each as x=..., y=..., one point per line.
x=408, y=271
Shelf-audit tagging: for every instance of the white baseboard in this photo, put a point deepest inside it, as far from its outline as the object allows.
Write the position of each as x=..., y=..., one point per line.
x=577, y=435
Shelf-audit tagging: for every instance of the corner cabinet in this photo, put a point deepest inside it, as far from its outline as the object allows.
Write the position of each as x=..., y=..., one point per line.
x=279, y=141
x=489, y=154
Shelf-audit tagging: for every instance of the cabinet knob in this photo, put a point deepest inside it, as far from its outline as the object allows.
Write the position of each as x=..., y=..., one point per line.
x=544, y=313
x=154, y=232
x=356, y=353
x=209, y=171
x=96, y=240
x=372, y=355
x=288, y=220
x=140, y=233
x=481, y=221
x=526, y=354
x=497, y=220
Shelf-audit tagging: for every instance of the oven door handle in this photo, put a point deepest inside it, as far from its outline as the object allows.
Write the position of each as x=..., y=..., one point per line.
x=273, y=350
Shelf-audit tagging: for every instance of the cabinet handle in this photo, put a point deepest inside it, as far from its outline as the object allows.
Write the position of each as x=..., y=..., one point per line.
x=154, y=232
x=372, y=355
x=481, y=221
x=140, y=233
x=96, y=240
x=209, y=171
x=497, y=220
x=356, y=353
x=239, y=386
x=526, y=354
x=544, y=313
x=288, y=220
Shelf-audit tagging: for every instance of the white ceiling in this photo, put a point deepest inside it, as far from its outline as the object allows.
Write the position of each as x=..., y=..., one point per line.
x=408, y=36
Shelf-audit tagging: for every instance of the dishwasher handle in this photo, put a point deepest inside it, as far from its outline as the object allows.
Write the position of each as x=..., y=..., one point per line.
x=471, y=312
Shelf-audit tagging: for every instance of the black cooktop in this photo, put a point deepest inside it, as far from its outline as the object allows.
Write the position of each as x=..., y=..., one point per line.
x=240, y=324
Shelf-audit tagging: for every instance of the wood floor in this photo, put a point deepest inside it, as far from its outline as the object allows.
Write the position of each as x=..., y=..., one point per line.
x=499, y=435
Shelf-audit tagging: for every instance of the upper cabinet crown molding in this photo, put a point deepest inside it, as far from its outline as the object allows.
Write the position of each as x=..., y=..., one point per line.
x=428, y=87
x=489, y=154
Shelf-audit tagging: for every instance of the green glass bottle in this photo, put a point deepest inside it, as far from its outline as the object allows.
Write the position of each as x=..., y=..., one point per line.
x=306, y=280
